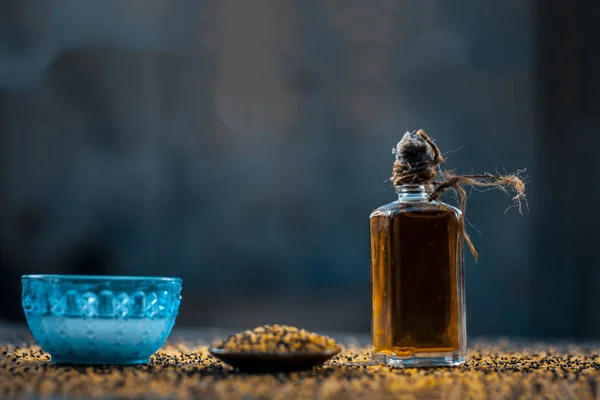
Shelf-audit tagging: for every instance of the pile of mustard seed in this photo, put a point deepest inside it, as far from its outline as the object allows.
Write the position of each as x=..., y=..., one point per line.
x=277, y=339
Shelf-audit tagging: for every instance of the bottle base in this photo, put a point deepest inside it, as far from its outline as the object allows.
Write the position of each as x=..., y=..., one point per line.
x=421, y=360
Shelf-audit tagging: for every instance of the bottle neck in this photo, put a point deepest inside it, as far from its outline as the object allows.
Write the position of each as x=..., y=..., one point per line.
x=412, y=193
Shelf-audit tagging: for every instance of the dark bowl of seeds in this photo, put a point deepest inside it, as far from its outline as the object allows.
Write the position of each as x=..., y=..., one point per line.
x=275, y=348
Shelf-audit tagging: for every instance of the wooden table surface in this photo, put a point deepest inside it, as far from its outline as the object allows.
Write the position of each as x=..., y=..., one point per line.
x=183, y=369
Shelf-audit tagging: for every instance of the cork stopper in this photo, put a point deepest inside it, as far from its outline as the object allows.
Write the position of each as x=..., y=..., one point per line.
x=417, y=161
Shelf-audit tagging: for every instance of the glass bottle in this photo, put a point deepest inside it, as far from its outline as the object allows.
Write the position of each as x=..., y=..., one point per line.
x=417, y=275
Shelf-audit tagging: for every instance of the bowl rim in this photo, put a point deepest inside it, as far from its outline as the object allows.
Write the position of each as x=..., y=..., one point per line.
x=98, y=278
x=287, y=354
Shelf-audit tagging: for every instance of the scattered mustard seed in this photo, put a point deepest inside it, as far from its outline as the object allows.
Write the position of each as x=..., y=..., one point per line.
x=277, y=339
x=493, y=370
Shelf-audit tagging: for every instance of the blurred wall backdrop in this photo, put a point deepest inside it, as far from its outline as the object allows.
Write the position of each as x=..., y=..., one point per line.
x=242, y=145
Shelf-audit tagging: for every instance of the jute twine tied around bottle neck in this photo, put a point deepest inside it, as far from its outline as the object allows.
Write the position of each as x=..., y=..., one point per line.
x=417, y=158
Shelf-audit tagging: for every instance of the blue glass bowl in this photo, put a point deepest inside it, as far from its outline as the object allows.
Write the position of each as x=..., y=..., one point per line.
x=81, y=319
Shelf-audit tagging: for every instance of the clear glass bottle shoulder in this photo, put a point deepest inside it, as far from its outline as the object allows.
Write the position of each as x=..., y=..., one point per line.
x=400, y=206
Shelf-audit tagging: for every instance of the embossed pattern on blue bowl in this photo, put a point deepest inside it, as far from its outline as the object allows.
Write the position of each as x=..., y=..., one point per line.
x=83, y=319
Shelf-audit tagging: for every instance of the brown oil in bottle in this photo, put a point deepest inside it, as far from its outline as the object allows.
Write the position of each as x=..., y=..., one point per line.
x=417, y=280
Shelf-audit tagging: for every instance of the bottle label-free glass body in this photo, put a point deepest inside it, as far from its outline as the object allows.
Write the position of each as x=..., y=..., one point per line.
x=418, y=283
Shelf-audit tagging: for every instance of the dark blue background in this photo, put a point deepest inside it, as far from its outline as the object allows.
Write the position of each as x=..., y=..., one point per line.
x=242, y=145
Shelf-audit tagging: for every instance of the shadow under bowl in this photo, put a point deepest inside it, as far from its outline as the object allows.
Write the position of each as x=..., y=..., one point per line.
x=87, y=319
x=260, y=362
